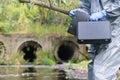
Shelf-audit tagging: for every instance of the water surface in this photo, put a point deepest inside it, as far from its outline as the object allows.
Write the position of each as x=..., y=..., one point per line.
x=29, y=72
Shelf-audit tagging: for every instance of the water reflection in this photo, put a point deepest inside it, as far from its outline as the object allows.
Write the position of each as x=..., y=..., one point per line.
x=61, y=74
x=29, y=73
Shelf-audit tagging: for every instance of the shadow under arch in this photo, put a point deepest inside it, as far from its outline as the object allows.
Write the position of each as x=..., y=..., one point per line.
x=2, y=50
x=29, y=49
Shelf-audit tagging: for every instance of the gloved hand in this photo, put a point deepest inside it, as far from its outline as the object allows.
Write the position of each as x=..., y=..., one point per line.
x=97, y=16
x=72, y=12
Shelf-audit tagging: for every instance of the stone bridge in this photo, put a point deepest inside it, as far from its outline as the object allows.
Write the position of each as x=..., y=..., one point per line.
x=65, y=48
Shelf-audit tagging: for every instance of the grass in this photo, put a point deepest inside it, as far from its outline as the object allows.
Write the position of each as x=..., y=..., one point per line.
x=83, y=63
x=79, y=64
x=40, y=29
x=43, y=57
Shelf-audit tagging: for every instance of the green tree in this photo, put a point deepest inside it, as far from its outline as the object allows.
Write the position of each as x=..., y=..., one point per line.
x=16, y=16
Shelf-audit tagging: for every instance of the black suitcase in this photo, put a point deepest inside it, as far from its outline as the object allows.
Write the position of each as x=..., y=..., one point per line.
x=94, y=32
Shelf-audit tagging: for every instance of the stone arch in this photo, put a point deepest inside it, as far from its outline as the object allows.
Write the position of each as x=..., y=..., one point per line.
x=2, y=50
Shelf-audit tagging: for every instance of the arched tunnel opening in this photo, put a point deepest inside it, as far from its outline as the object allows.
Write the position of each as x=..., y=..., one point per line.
x=29, y=48
x=66, y=50
x=2, y=50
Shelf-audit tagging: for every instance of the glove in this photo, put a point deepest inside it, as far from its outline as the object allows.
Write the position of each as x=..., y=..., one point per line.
x=72, y=12
x=97, y=16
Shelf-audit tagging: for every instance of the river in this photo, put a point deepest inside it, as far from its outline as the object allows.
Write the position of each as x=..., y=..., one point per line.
x=31, y=72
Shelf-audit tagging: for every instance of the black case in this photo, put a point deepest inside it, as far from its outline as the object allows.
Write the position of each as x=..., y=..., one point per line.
x=79, y=16
x=94, y=32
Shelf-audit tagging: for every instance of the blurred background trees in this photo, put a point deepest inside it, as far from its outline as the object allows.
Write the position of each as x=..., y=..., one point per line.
x=24, y=17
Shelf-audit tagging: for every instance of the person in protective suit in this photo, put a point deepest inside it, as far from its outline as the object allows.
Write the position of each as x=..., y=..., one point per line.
x=105, y=58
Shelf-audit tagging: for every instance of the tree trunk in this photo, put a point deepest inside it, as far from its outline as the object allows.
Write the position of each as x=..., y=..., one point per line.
x=46, y=5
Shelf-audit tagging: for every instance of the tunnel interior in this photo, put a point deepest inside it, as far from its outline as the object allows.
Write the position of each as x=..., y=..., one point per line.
x=66, y=51
x=29, y=53
x=29, y=49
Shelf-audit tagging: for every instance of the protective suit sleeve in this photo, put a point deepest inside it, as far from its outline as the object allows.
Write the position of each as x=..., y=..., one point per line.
x=84, y=5
x=113, y=10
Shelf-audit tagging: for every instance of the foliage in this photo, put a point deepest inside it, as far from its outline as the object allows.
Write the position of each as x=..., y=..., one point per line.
x=44, y=57
x=14, y=58
x=16, y=16
x=83, y=63
x=42, y=29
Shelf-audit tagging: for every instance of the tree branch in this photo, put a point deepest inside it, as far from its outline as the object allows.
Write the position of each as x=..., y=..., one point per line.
x=46, y=5
x=50, y=3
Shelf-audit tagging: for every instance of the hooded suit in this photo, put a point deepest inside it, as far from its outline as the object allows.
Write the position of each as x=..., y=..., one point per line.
x=106, y=61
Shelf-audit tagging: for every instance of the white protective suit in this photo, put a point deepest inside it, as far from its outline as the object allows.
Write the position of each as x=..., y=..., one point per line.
x=106, y=61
